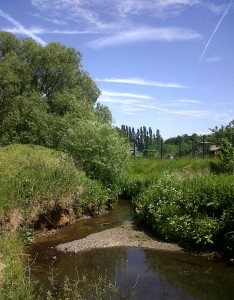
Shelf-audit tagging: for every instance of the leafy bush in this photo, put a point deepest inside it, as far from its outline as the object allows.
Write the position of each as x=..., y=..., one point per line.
x=98, y=149
x=195, y=211
x=94, y=197
x=226, y=159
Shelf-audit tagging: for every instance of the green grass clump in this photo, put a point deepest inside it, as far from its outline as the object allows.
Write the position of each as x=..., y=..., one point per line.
x=35, y=180
x=30, y=173
x=15, y=283
x=196, y=211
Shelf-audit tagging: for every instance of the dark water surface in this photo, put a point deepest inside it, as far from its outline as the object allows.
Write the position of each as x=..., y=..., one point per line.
x=155, y=274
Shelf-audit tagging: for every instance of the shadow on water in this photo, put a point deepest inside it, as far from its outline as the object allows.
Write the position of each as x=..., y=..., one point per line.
x=156, y=274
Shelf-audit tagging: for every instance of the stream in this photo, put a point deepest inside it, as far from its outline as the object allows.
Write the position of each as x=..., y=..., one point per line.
x=154, y=274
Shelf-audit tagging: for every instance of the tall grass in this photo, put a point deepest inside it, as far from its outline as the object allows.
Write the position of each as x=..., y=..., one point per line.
x=141, y=172
x=31, y=173
x=35, y=180
x=145, y=167
x=15, y=283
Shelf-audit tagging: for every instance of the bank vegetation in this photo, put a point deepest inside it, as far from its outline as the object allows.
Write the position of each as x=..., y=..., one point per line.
x=61, y=158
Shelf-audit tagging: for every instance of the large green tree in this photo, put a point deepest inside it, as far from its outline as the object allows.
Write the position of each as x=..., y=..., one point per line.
x=46, y=98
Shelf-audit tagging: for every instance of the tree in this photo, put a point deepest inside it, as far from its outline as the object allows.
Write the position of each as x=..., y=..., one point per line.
x=158, y=139
x=103, y=114
x=47, y=99
x=39, y=87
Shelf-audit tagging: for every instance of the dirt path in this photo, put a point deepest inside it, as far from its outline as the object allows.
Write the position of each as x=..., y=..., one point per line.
x=126, y=235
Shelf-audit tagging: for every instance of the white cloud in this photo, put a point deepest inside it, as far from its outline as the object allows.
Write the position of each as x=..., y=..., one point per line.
x=139, y=81
x=109, y=14
x=129, y=110
x=21, y=29
x=40, y=31
x=188, y=101
x=213, y=59
x=143, y=34
x=50, y=20
x=125, y=101
x=125, y=95
x=188, y=113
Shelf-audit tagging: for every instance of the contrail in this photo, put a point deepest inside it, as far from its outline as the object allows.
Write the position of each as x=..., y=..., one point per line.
x=216, y=28
x=22, y=29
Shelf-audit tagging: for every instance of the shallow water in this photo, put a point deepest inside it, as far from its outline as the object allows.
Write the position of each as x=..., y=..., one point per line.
x=154, y=274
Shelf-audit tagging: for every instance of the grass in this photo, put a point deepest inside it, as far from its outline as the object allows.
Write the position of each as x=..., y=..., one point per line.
x=181, y=201
x=141, y=172
x=35, y=181
x=15, y=284
x=30, y=173
x=145, y=168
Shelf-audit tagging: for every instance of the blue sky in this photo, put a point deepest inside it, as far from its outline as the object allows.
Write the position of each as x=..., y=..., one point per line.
x=167, y=64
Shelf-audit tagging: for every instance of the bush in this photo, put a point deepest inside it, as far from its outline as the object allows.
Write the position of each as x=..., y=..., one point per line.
x=98, y=149
x=195, y=211
x=226, y=159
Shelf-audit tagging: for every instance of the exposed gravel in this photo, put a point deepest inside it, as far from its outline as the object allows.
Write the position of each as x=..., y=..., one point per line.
x=126, y=235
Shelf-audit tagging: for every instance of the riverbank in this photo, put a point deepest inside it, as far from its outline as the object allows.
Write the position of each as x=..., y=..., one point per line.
x=126, y=235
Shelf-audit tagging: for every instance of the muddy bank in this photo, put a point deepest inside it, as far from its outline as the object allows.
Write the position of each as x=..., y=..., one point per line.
x=126, y=235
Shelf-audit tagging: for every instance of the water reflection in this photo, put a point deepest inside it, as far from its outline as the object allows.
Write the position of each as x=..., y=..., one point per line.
x=156, y=275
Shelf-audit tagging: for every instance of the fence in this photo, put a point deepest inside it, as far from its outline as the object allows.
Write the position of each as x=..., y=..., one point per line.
x=200, y=149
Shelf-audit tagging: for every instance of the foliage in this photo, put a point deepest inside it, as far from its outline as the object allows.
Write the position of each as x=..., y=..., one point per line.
x=142, y=172
x=224, y=132
x=46, y=98
x=94, y=198
x=98, y=149
x=225, y=164
x=15, y=283
x=32, y=173
x=35, y=180
x=191, y=210
x=143, y=138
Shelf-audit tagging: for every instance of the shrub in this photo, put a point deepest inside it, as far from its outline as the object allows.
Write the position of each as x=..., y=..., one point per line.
x=195, y=211
x=226, y=159
x=98, y=149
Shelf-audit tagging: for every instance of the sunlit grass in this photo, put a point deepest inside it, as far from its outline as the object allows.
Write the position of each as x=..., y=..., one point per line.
x=141, y=172
x=145, y=167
